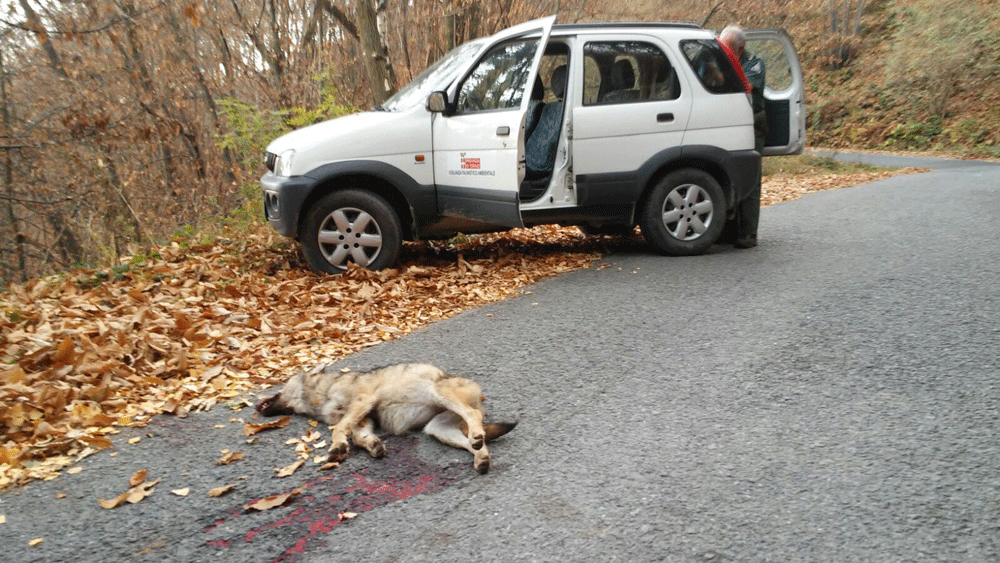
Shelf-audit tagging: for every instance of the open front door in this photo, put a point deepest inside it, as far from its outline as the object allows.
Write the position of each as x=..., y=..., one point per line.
x=784, y=92
x=479, y=141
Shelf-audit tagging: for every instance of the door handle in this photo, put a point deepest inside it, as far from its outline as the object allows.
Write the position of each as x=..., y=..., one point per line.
x=503, y=131
x=664, y=117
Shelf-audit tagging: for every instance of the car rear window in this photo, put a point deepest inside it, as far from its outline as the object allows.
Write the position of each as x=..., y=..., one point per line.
x=712, y=66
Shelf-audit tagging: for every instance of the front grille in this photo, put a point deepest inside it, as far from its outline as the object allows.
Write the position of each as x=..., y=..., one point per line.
x=269, y=161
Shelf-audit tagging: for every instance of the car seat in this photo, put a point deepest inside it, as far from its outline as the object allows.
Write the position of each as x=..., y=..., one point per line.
x=622, y=81
x=535, y=106
x=541, y=147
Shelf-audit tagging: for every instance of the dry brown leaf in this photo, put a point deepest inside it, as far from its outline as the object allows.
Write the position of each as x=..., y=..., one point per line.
x=328, y=466
x=36, y=541
x=229, y=458
x=113, y=503
x=13, y=375
x=135, y=440
x=137, y=477
x=97, y=442
x=3, y=519
x=60, y=495
x=181, y=492
x=290, y=469
x=139, y=492
x=219, y=491
x=251, y=429
x=267, y=503
x=346, y=515
x=74, y=470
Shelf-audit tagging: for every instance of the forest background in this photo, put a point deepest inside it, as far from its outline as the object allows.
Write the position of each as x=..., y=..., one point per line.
x=126, y=123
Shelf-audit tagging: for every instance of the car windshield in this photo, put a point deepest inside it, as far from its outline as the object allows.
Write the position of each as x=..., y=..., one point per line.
x=435, y=77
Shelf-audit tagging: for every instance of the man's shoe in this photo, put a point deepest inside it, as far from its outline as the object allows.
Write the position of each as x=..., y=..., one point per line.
x=746, y=242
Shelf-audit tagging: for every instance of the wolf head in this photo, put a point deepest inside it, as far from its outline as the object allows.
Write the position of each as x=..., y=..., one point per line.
x=287, y=401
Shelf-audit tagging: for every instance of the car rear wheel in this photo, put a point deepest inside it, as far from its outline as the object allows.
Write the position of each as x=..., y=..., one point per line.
x=351, y=226
x=684, y=213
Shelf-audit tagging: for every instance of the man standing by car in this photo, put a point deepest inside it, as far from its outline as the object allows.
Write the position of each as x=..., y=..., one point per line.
x=748, y=210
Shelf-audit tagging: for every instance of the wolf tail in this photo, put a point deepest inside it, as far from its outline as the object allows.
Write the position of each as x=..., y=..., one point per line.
x=496, y=429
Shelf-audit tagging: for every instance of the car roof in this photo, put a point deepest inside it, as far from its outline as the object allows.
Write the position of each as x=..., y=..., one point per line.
x=623, y=25
x=672, y=28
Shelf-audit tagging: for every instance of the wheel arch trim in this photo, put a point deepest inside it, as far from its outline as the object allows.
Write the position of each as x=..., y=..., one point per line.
x=415, y=204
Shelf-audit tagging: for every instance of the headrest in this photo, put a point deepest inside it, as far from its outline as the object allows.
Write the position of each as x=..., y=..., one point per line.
x=622, y=77
x=557, y=82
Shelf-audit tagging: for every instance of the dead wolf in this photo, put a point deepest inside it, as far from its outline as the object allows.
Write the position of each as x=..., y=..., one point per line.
x=399, y=398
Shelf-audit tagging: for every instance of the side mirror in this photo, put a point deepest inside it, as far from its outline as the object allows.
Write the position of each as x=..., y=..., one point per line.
x=438, y=102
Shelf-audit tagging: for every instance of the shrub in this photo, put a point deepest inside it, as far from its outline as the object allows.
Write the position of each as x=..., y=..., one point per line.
x=939, y=47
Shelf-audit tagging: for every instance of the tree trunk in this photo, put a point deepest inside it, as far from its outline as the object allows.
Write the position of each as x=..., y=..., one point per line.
x=374, y=53
x=21, y=269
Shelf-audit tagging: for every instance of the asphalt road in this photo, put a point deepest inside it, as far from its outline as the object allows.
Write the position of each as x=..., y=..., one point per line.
x=831, y=395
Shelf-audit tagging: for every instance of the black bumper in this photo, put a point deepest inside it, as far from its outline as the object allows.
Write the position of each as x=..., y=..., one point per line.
x=283, y=199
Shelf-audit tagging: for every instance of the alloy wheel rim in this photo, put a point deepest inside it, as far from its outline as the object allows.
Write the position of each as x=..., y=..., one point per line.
x=349, y=234
x=687, y=212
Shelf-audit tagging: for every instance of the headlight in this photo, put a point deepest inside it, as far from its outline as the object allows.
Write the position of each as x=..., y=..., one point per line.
x=283, y=164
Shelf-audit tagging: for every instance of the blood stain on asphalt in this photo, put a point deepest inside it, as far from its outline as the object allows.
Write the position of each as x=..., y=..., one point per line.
x=329, y=501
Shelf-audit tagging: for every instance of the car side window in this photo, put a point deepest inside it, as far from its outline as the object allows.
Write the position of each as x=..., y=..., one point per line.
x=497, y=82
x=617, y=72
x=712, y=66
x=779, y=71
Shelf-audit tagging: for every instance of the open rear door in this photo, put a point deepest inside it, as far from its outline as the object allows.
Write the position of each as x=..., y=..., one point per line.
x=784, y=91
x=479, y=142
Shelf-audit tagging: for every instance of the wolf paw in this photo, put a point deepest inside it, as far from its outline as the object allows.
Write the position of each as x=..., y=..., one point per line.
x=482, y=464
x=377, y=449
x=339, y=452
x=477, y=440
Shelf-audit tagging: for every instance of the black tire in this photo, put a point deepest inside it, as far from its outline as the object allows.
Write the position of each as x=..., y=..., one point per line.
x=684, y=213
x=351, y=226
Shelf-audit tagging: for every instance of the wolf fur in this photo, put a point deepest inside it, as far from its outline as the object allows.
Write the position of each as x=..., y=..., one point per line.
x=399, y=398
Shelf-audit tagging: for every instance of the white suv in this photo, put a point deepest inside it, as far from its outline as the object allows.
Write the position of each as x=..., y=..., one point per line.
x=604, y=126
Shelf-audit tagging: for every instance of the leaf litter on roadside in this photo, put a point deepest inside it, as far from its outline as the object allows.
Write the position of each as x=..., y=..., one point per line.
x=229, y=457
x=249, y=428
x=219, y=491
x=83, y=356
x=139, y=489
x=273, y=501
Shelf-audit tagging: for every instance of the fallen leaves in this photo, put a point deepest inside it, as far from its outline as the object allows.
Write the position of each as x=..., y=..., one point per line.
x=181, y=492
x=219, y=491
x=230, y=457
x=778, y=188
x=139, y=489
x=288, y=470
x=35, y=541
x=273, y=501
x=82, y=356
x=249, y=429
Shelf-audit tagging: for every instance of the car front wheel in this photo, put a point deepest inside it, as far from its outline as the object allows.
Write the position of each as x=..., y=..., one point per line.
x=351, y=226
x=684, y=213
